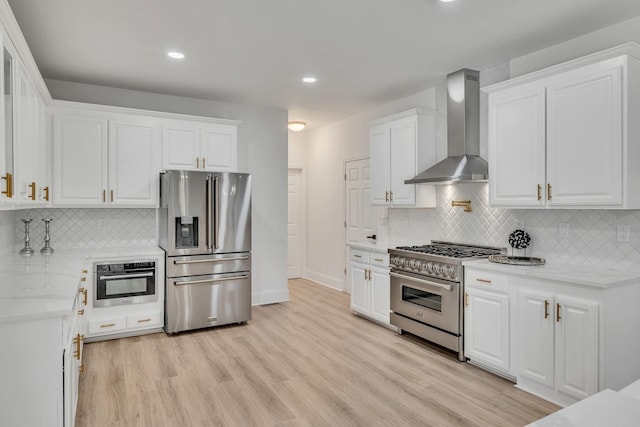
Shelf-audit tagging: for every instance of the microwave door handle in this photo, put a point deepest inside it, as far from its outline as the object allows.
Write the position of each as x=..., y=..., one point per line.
x=221, y=279
x=424, y=282
x=127, y=276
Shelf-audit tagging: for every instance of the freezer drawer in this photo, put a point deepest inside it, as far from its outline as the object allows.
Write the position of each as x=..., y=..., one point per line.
x=195, y=302
x=180, y=266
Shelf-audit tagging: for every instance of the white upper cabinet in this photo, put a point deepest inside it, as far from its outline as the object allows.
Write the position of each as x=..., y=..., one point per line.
x=400, y=147
x=565, y=138
x=199, y=146
x=101, y=160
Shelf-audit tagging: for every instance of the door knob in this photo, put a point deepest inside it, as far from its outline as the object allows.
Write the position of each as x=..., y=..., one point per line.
x=373, y=236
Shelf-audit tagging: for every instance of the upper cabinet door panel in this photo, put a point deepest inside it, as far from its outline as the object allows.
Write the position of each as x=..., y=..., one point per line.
x=219, y=148
x=517, y=147
x=403, y=161
x=180, y=147
x=133, y=163
x=79, y=160
x=584, y=140
x=379, y=147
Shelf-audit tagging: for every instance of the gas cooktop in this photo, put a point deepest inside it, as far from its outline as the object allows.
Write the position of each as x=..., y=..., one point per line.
x=452, y=250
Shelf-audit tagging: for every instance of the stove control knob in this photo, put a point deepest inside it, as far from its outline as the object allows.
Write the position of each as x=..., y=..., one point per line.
x=449, y=271
x=438, y=268
x=424, y=266
x=415, y=264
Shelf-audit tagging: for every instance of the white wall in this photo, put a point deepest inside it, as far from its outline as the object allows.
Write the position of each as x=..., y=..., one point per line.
x=328, y=148
x=262, y=151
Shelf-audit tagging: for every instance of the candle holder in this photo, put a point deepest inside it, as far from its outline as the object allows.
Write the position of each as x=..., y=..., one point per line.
x=26, y=251
x=47, y=249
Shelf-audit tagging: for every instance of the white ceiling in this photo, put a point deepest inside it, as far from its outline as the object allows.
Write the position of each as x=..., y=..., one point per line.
x=363, y=52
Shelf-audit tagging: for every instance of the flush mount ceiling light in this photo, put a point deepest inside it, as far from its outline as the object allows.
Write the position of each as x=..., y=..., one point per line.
x=446, y=1
x=309, y=79
x=175, y=55
x=296, y=126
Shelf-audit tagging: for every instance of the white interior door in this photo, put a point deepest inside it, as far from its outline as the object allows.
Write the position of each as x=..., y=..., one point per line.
x=359, y=212
x=294, y=224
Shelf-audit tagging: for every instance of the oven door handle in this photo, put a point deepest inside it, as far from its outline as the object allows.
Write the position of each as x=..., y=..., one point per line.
x=220, y=279
x=422, y=281
x=127, y=276
x=198, y=261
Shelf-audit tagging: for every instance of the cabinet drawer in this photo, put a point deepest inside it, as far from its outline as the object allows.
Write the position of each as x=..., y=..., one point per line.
x=359, y=255
x=144, y=320
x=380, y=260
x=107, y=325
x=486, y=280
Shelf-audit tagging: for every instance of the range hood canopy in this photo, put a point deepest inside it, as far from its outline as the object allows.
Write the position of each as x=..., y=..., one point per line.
x=463, y=163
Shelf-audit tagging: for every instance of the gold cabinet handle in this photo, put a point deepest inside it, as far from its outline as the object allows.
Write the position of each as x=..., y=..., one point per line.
x=83, y=291
x=85, y=271
x=378, y=259
x=46, y=193
x=144, y=320
x=111, y=196
x=9, y=189
x=546, y=309
x=104, y=196
x=391, y=196
x=386, y=196
x=78, y=342
x=548, y=191
x=357, y=256
x=483, y=281
x=33, y=190
x=108, y=325
x=466, y=299
x=539, y=192
x=197, y=162
x=558, y=317
x=81, y=369
x=81, y=312
x=203, y=163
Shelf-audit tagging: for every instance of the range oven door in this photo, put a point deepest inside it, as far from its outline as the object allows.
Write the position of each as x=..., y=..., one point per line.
x=427, y=300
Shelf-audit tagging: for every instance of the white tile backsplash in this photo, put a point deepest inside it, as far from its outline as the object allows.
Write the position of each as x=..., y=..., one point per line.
x=591, y=240
x=88, y=228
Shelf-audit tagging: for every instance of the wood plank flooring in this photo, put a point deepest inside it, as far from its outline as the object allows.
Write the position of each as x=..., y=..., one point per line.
x=306, y=362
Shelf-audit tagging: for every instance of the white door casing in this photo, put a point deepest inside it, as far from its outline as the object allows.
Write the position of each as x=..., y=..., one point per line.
x=295, y=221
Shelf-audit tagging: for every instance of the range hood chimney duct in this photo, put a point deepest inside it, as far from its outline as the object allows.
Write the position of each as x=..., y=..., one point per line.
x=463, y=163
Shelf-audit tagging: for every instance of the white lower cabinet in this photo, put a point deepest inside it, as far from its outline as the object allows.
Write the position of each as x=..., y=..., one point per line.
x=560, y=352
x=369, y=279
x=562, y=340
x=486, y=321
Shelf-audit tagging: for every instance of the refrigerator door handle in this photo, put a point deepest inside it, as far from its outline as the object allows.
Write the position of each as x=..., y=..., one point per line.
x=221, y=279
x=216, y=211
x=199, y=261
x=208, y=207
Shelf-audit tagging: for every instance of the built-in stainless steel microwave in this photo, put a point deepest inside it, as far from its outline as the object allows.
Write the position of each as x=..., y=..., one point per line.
x=118, y=283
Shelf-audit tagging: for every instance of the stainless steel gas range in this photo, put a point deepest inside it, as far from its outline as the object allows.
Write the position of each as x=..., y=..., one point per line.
x=427, y=288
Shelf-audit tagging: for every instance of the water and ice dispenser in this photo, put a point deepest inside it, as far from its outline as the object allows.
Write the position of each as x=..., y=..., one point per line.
x=186, y=232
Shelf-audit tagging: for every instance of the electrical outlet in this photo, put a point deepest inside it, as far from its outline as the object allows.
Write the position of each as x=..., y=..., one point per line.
x=624, y=233
x=563, y=230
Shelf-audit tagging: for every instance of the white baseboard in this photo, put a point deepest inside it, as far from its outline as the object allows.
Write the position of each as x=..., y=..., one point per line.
x=323, y=279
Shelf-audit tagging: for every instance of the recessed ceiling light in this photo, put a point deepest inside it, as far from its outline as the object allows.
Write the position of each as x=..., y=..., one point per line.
x=176, y=55
x=309, y=79
x=446, y=1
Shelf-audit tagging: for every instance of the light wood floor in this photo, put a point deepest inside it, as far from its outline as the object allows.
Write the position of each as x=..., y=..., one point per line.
x=306, y=362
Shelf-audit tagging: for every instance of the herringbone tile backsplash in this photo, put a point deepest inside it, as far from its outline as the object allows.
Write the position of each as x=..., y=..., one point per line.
x=88, y=228
x=591, y=240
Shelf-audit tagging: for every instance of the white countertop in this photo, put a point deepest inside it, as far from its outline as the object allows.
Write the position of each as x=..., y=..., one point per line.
x=606, y=408
x=369, y=246
x=574, y=274
x=41, y=287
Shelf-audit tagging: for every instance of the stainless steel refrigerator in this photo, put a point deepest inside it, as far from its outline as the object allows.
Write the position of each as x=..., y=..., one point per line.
x=205, y=231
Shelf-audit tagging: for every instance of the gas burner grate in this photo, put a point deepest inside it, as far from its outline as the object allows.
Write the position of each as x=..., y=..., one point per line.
x=451, y=251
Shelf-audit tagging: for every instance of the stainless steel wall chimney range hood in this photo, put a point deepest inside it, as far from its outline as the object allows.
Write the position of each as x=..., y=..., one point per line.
x=463, y=163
